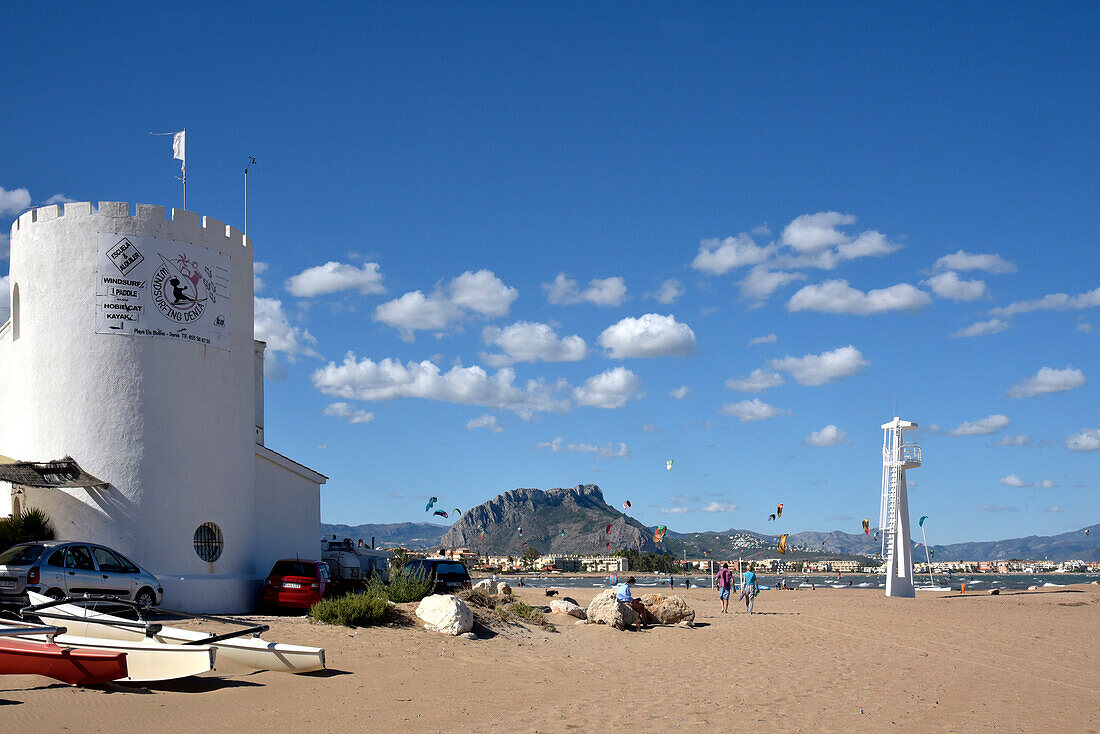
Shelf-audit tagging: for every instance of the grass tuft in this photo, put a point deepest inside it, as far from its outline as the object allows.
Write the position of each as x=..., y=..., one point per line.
x=360, y=609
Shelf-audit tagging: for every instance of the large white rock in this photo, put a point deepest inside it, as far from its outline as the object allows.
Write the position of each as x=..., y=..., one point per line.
x=446, y=614
x=561, y=606
x=485, y=585
x=605, y=608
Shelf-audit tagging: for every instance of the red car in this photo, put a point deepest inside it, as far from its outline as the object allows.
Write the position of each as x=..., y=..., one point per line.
x=298, y=584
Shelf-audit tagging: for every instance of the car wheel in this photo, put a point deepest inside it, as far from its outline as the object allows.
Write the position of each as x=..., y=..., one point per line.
x=55, y=593
x=145, y=597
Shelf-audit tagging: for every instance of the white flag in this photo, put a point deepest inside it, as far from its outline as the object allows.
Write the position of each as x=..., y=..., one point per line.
x=179, y=146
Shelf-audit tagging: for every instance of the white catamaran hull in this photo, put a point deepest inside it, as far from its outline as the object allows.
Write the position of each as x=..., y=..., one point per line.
x=251, y=652
x=146, y=660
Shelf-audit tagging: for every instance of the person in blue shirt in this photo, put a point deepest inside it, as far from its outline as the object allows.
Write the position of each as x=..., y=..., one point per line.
x=750, y=590
x=622, y=593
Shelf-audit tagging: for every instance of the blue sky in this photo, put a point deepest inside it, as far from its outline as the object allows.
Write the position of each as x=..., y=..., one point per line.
x=536, y=245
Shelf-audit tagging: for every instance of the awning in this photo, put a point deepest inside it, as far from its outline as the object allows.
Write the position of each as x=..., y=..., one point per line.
x=61, y=473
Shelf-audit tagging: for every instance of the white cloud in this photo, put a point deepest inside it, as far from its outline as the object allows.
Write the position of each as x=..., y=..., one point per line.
x=1088, y=439
x=600, y=292
x=760, y=283
x=949, y=285
x=718, y=256
x=818, y=369
x=272, y=326
x=867, y=244
x=718, y=507
x=836, y=296
x=650, y=428
x=752, y=410
x=1087, y=328
x=611, y=389
x=482, y=292
x=1018, y=440
x=997, y=508
x=526, y=341
x=769, y=339
x=1052, y=302
x=983, y=427
x=962, y=260
x=650, y=335
x=389, y=379
x=982, y=328
x=486, y=421
x=830, y=435
x=1048, y=380
x=258, y=269
x=1013, y=480
x=757, y=381
x=14, y=202
x=415, y=311
x=607, y=451
x=680, y=392
x=332, y=277
x=815, y=232
x=58, y=199
x=347, y=413
x=5, y=297
x=669, y=291
x=674, y=510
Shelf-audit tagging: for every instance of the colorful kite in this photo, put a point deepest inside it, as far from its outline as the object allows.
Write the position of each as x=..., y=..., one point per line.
x=779, y=510
x=668, y=465
x=867, y=526
x=659, y=533
x=430, y=503
x=920, y=524
x=524, y=544
x=519, y=530
x=931, y=553
x=626, y=505
x=609, y=529
x=1087, y=531
x=704, y=554
x=441, y=513
x=609, y=544
x=781, y=546
x=563, y=533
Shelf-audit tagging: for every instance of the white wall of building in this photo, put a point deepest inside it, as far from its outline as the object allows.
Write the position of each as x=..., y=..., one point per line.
x=288, y=514
x=171, y=424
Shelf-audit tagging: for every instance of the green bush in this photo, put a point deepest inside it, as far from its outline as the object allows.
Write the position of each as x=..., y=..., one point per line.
x=30, y=524
x=410, y=585
x=360, y=609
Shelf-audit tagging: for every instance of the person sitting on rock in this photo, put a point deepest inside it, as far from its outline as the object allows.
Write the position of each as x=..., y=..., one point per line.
x=623, y=594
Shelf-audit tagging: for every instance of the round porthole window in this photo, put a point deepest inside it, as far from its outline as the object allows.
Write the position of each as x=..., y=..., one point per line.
x=208, y=542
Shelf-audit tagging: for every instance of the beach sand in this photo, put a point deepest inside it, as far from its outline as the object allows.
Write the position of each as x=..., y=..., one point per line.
x=825, y=660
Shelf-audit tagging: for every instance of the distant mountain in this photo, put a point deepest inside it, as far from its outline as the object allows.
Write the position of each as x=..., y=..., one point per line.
x=559, y=520
x=1072, y=546
x=415, y=535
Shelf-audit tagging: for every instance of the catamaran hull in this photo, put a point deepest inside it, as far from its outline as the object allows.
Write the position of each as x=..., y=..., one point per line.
x=251, y=652
x=76, y=667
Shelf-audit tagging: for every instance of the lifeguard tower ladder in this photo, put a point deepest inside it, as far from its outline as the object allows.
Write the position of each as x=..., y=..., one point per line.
x=897, y=456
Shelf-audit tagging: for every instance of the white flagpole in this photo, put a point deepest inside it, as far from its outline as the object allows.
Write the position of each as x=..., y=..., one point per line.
x=185, y=170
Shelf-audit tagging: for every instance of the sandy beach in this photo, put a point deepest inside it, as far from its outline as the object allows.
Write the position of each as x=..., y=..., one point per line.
x=822, y=660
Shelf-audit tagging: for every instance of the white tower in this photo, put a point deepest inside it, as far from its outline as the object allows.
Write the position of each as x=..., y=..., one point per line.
x=897, y=456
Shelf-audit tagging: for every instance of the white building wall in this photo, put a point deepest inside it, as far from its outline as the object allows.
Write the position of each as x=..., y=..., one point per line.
x=170, y=424
x=288, y=513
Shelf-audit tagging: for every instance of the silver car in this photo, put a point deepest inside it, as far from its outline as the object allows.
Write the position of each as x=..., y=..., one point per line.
x=60, y=568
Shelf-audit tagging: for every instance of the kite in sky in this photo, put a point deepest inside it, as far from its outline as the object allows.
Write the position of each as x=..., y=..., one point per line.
x=441, y=513
x=659, y=533
x=920, y=523
x=1087, y=531
x=609, y=529
x=563, y=533
x=668, y=465
x=519, y=530
x=626, y=505
x=771, y=517
x=779, y=510
x=430, y=503
x=609, y=544
x=458, y=511
x=867, y=526
x=781, y=546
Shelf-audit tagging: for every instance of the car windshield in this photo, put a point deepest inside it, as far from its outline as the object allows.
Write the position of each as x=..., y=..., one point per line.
x=21, y=555
x=451, y=570
x=294, y=568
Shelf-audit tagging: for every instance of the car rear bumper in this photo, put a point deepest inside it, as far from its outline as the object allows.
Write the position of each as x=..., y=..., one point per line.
x=292, y=598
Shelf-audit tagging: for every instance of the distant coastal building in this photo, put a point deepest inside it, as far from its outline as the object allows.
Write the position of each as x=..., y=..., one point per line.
x=132, y=400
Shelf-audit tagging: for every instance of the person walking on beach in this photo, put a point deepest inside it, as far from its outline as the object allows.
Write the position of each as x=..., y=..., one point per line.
x=724, y=582
x=749, y=591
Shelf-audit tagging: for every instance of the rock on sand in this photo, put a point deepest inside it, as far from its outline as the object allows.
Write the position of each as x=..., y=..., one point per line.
x=561, y=606
x=606, y=609
x=668, y=609
x=446, y=614
x=504, y=589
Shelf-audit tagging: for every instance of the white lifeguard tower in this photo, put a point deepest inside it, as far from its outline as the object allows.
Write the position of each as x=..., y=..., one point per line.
x=897, y=456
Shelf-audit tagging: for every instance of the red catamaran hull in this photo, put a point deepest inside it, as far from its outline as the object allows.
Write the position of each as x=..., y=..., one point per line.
x=81, y=667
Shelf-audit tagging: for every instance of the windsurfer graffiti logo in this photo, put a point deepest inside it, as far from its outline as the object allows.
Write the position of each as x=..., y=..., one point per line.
x=180, y=289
